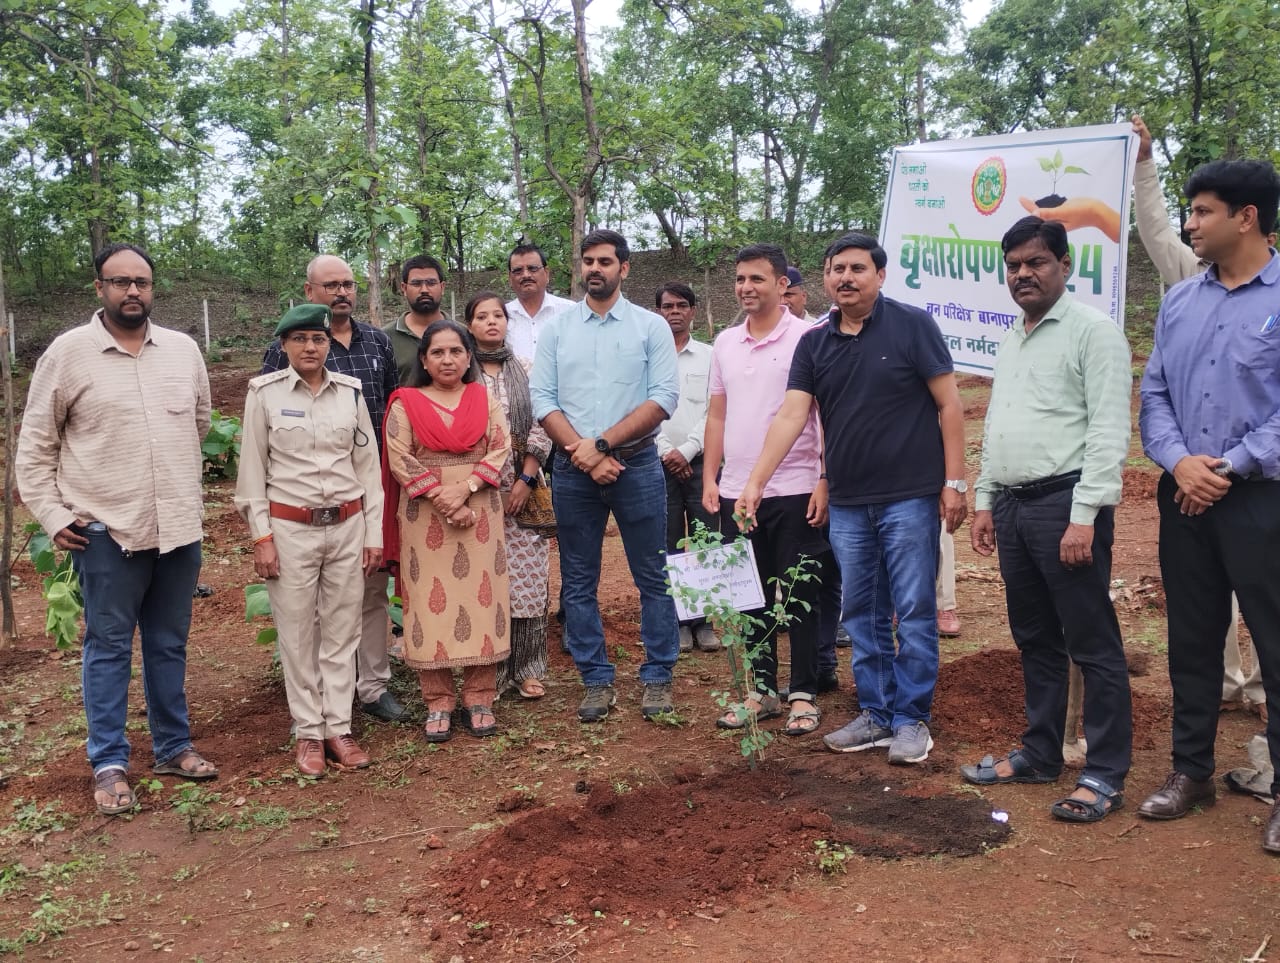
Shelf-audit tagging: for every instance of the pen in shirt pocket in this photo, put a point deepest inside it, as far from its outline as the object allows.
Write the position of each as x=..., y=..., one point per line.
x=1268, y=324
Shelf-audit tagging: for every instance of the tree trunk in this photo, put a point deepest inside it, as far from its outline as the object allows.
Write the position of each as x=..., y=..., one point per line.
x=577, y=231
x=371, y=149
x=517, y=148
x=286, y=105
x=767, y=211
x=585, y=195
x=8, y=627
x=669, y=231
x=97, y=222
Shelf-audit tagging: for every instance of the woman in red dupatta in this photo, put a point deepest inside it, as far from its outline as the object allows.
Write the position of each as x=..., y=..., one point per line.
x=446, y=443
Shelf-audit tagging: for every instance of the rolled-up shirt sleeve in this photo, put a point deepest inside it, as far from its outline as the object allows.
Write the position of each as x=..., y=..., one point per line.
x=544, y=376
x=664, y=376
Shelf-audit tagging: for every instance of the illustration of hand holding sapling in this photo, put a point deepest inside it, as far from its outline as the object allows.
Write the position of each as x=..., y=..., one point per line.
x=1075, y=212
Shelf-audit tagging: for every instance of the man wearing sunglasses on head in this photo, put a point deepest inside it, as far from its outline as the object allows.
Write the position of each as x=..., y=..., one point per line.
x=364, y=352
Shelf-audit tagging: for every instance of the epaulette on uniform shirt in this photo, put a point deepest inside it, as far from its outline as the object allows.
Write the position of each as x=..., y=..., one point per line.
x=261, y=381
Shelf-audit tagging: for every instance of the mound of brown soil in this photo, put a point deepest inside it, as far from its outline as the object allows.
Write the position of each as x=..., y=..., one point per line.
x=671, y=849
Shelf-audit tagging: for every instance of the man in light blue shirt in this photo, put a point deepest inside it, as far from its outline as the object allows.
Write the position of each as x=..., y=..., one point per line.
x=604, y=377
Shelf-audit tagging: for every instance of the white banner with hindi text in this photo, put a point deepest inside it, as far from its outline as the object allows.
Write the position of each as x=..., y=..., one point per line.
x=949, y=203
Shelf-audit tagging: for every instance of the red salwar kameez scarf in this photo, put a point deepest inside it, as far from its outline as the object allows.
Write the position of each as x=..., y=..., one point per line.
x=470, y=423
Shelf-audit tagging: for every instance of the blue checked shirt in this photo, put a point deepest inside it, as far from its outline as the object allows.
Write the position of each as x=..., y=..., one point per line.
x=370, y=358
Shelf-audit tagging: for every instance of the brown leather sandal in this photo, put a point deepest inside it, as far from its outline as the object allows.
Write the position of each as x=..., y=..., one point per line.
x=105, y=781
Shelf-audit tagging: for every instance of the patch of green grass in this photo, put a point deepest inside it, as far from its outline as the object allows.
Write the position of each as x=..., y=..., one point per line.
x=195, y=804
x=832, y=857
x=33, y=822
x=54, y=917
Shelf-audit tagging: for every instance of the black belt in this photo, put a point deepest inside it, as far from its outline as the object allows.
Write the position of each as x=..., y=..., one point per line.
x=623, y=452
x=1045, y=486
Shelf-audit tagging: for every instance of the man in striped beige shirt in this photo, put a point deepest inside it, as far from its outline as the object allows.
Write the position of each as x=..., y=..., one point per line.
x=109, y=463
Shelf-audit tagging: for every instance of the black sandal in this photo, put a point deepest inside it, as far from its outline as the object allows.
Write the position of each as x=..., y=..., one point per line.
x=1072, y=810
x=444, y=735
x=984, y=773
x=469, y=720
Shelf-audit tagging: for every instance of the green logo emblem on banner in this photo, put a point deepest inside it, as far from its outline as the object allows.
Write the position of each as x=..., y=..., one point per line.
x=988, y=185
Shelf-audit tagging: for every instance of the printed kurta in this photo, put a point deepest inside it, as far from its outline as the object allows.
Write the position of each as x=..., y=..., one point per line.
x=528, y=553
x=453, y=581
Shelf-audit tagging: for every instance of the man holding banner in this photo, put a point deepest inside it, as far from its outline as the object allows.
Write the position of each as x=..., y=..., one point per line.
x=883, y=382
x=1053, y=450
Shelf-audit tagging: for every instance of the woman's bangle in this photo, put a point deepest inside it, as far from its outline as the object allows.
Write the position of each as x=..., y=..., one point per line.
x=265, y=538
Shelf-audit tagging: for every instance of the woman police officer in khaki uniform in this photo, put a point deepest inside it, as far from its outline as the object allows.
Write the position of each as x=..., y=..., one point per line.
x=310, y=488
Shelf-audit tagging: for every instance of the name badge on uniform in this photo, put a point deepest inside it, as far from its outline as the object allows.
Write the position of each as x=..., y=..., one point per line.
x=292, y=413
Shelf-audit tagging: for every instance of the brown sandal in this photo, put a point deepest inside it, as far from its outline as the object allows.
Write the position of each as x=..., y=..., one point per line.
x=105, y=781
x=175, y=767
x=531, y=689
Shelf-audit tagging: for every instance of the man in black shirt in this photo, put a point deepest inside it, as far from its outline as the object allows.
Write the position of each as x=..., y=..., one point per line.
x=893, y=428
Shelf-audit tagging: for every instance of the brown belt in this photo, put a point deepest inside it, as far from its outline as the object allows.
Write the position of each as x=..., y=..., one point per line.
x=623, y=452
x=316, y=516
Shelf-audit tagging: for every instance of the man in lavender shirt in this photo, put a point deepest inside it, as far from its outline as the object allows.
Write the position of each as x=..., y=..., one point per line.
x=1211, y=418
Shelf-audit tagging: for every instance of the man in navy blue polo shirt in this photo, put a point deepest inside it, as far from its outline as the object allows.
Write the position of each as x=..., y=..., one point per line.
x=882, y=378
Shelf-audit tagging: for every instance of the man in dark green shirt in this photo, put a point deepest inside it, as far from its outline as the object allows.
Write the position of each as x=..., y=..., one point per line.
x=422, y=284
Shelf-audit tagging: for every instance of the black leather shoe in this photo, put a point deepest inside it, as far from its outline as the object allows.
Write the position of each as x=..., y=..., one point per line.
x=1175, y=798
x=1271, y=835
x=828, y=682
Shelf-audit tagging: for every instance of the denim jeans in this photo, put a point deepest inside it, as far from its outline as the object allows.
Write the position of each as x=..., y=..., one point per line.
x=638, y=500
x=888, y=557
x=123, y=591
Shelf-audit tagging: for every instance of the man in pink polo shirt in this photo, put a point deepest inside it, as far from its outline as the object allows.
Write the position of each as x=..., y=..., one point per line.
x=749, y=368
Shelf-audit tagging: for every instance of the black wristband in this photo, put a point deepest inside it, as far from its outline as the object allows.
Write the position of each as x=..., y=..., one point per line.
x=530, y=480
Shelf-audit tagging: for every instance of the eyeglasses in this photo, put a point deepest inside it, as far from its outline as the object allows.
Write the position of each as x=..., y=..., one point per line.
x=123, y=284
x=423, y=283
x=517, y=271
x=301, y=340
x=333, y=287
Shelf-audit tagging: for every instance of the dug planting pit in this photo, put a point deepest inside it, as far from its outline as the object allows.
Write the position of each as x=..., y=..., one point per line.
x=698, y=846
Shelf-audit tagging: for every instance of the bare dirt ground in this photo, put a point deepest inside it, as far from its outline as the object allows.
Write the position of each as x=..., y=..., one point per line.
x=626, y=840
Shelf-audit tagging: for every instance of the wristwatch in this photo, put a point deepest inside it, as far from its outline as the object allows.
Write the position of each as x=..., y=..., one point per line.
x=530, y=480
x=602, y=446
x=473, y=485
x=1224, y=468
x=959, y=484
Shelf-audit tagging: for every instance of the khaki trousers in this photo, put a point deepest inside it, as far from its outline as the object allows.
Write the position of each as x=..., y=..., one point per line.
x=315, y=604
x=946, y=585
x=373, y=667
x=1236, y=686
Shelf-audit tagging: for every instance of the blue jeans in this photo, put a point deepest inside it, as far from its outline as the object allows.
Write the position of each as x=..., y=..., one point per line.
x=888, y=557
x=638, y=500
x=123, y=591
